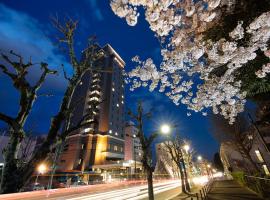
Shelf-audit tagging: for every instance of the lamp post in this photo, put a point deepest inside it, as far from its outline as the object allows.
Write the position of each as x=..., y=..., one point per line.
x=41, y=170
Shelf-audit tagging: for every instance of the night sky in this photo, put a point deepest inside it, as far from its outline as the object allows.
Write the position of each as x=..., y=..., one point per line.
x=25, y=27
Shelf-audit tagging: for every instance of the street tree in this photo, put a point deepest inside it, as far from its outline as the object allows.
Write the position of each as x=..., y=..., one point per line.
x=239, y=135
x=17, y=70
x=15, y=176
x=217, y=162
x=146, y=144
x=174, y=147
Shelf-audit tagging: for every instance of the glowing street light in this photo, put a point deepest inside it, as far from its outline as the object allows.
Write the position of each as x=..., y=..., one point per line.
x=41, y=170
x=186, y=147
x=199, y=158
x=165, y=129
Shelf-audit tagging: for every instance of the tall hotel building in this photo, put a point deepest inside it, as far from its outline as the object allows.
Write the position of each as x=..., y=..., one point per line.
x=100, y=98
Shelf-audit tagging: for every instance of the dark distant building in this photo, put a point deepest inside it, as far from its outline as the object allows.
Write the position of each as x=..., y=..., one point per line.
x=99, y=101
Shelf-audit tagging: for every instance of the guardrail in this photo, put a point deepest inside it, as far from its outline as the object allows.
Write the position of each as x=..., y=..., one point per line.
x=202, y=194
x=260, y=185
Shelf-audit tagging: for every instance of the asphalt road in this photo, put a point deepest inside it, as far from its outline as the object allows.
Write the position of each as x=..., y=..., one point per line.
x=112, y=191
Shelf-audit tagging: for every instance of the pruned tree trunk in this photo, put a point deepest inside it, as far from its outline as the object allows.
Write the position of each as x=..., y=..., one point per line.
x=182, y=178
x=150, y=184
x=186, y=177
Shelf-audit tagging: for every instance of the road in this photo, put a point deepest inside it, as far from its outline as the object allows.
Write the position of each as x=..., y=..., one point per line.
x=100, y=192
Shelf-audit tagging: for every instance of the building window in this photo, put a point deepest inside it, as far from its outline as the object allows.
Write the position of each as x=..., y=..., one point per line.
x=115, y=148
x=62, y=161
x=259, y=156
x=265, y=168
x=87, y=130
x=122, y=102
x=121, y=149
x=117, y=105
x=116, y=133
x=113, y=89
x=110, y=131
x=94, y=99
x=80, y=161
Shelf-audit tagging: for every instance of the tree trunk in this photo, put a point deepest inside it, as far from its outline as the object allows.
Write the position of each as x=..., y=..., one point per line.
x=182, y=179
x=186, y=177
x=11, y=181
x=150, y=184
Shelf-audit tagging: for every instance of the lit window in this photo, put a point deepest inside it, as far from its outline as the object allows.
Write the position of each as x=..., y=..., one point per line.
x=87, y=130
x=265, y=168
x=115, y=148
x=81, y=83
x=123, y=96
x=134, y=135
x=110, y=131
x=259, y=156
x=94, y=99
x=113, y=89
x=122, y=102
x=95, y=92
x=117, y=105
x=80, y=161
x=116, y=133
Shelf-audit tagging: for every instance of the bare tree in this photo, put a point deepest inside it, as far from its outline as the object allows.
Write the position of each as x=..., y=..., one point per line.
x=14, y=176
x=146, y=143
x=240, y=135
x=17, y=71
x=174, y=148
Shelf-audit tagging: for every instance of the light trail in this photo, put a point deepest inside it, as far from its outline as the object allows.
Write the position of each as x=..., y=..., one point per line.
x=134, y=193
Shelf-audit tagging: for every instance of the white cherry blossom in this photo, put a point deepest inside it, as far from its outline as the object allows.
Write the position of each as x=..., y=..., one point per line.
x=180, y=24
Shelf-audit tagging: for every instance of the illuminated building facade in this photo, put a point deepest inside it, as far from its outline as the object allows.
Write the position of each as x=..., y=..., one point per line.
x=99, y=101
x=133, y=148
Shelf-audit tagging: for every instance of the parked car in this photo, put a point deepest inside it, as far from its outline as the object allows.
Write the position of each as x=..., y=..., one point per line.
x=79, y=183
x=33, y=187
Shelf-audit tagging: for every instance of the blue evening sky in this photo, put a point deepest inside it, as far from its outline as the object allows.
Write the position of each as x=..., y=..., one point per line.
x=25, y=27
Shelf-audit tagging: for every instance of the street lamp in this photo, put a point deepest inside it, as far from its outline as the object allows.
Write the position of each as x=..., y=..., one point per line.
x=199, y=158
x=165, y=129
x=41, y=170
x=186, y=147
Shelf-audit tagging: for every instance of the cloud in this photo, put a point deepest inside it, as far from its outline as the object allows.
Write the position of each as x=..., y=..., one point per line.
x=26, y=36
x=95, y=10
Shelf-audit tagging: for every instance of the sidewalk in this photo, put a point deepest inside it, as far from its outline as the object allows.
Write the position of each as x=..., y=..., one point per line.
x=230, y=190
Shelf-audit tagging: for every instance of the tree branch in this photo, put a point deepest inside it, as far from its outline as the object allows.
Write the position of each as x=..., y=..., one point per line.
x=46, y=71
x=5, y=71
x=7, y=119
x=65, y=73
